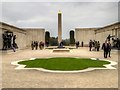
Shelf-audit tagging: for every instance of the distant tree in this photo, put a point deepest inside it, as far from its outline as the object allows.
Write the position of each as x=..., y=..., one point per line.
x=53, y=41
x=66, y=42
x=72, y=39
x=47, y=36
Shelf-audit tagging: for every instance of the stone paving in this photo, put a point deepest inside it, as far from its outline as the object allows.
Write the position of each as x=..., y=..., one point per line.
x=12, y=78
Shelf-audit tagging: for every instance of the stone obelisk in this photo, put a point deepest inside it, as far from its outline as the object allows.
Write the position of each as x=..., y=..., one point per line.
x=59, y=27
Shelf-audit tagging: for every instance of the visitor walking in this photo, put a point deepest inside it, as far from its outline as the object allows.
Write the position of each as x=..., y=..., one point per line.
x=14, y=43
x=105, y=47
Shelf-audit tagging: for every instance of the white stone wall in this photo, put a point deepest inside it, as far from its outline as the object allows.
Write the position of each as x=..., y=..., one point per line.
x=24, y=37
x=20, y=40
x=102, y=33
x=99, y=34
x=35, y=35
x=101, y=37
x=84, y=34
x=20, y=35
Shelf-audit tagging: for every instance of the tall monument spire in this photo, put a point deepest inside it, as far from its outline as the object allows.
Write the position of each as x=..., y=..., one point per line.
x=59, y=26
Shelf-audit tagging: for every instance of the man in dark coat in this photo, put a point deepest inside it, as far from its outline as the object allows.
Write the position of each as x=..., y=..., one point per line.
x=105, y=47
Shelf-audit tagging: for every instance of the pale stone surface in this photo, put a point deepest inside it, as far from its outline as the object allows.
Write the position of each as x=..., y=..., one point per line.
x=20, y=39
x=34, y=34
x=24, y=36
x=84, y=34
x=102, y=33
x=38, y=79
x=20, y=34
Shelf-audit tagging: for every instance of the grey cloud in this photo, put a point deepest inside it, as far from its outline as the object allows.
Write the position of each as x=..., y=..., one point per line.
x=77, y=14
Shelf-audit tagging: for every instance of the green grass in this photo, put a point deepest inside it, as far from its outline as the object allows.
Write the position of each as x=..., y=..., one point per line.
x=63, y=64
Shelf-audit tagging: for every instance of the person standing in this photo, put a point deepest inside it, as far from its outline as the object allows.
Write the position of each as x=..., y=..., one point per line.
x=105, y=47
x=32, y=45
x=36, y=45
x=90, y=45
x=41, y=45
x=82, y=43
x=78, y=44
x=98, y=46
x=109, y=48
x=95, y=46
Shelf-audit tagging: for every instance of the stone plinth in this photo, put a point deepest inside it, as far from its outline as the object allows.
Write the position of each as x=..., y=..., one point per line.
x=60, y=50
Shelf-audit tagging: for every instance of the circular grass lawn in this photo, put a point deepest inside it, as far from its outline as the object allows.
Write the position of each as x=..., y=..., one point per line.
x=64, y=63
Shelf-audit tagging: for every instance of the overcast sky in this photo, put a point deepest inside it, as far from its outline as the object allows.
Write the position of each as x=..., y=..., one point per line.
x=77, y=14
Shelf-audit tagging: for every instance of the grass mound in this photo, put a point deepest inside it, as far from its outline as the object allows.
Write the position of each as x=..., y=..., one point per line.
x=64, y=64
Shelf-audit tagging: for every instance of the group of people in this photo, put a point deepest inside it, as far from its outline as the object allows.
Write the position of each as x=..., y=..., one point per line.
x=9, y=41
x=116, y=43
x=94, y=45
x=36, y=44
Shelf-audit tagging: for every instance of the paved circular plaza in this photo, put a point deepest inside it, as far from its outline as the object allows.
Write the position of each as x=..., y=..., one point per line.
x=12, y=78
